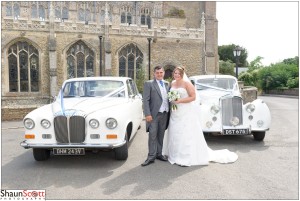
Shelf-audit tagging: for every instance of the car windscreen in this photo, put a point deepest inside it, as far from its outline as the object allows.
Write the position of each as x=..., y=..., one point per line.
x=94, y=88
x=216, y=83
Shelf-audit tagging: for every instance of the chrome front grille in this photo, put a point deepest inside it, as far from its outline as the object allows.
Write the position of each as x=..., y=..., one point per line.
x=232, y=107
x=72, y=133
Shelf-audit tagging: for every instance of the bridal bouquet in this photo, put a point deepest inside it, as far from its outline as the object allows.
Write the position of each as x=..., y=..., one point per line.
x=173, y=96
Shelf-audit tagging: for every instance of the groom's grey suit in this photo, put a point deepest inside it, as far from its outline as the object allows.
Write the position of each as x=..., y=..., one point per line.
x=152, y=102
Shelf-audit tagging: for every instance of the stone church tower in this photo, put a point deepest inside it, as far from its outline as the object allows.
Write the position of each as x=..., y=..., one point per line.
x=43, y=43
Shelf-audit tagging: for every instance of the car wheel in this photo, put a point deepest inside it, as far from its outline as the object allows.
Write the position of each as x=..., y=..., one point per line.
x=41, y=154
x=259, y=136
x=121, y=153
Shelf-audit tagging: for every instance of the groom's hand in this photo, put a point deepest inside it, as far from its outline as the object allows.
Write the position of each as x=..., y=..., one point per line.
x=149, y=118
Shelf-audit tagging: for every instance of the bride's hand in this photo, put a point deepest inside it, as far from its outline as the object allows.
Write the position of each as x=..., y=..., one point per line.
x=177, y=101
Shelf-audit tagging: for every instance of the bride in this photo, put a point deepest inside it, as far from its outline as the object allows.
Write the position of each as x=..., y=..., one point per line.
x=184, y=143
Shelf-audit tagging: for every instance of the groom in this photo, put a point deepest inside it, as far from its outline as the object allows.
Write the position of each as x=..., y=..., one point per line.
x=156, y=109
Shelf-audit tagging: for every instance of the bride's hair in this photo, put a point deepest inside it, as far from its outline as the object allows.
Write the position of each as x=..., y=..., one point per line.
x=180, y=69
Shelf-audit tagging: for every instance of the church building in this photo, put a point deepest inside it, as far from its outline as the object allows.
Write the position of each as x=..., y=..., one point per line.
x=43, y=43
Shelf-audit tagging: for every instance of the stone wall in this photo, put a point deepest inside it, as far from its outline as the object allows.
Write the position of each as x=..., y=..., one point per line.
x=288, y=92
x=10, y=114
x=249, y=94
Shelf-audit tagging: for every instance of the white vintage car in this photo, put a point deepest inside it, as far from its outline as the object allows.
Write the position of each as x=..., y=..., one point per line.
x=89, y=113
x=222, y=109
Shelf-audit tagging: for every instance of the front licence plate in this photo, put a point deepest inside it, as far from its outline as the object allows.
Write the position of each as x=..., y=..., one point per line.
x=235, y=131
x=68, y=151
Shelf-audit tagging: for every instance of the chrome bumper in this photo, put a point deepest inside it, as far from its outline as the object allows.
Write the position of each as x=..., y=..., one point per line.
x=80, y=145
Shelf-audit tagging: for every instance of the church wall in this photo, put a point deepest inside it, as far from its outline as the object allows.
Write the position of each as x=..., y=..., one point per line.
x=166, y=50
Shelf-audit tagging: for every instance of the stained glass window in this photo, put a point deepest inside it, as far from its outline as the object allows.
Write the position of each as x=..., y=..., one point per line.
x=23, y=67
x=130, y=60
x=80, y=61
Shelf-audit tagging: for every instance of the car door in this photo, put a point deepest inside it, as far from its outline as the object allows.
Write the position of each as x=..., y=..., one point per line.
x=135, y=100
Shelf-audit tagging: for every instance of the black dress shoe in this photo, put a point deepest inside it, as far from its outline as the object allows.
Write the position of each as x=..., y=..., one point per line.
x=162, y=158
x=147, y=162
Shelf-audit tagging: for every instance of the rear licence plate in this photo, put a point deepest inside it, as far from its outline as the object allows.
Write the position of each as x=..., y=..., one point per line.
x=235, y=132
x=68, y=151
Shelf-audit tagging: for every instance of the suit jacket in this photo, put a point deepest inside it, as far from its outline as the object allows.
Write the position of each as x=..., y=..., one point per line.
x=152, y=99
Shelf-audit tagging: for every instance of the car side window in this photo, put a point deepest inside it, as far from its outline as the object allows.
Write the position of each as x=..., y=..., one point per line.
x=129, y=88
x=133, y=87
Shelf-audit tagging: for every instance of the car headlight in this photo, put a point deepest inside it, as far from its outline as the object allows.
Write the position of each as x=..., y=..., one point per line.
x=45, y=123
x=260, y=123
x=28, y=123
x=250, y=108
x=111, y=123
x=94, y=123
x=215, y=109
x=209, y=124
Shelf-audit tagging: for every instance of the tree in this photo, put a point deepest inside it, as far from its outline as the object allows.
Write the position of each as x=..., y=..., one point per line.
x=256, y=63
x=226, y=53
x=226, y=68
x=140, y=78
x=294, y=60
x=278, y=76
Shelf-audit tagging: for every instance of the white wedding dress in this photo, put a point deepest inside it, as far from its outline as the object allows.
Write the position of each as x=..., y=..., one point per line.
x=184, y=143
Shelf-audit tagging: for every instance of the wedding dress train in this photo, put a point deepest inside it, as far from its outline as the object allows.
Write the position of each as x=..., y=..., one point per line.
x=184, y=143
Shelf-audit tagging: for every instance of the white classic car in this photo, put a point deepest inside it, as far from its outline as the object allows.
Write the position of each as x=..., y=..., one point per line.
x=89, y=113
x=222, y=109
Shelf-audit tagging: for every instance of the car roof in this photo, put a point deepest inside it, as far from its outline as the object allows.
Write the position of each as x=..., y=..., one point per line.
x=212, y=76
x=98, y=78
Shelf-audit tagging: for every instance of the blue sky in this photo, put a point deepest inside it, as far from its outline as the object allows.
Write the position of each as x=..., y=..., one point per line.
x=266, y=29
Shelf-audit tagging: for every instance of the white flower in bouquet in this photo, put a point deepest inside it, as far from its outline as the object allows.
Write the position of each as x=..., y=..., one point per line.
x=173, y=96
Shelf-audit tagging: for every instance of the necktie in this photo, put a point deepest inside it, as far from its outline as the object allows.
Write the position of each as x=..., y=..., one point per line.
x=161, y=83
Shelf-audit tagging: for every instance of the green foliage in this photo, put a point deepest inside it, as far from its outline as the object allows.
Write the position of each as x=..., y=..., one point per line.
x=170, y=79
x=226, y=68
x=293, y=83
x=247, y=78
x=278, y=76
x=175, y=12
x=282, y=75
x=140, y=78
x=256, y=63
x=226, y=53
x=294, y=60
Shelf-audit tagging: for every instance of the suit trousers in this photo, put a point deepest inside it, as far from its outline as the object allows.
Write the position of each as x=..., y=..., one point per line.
x=156, y=135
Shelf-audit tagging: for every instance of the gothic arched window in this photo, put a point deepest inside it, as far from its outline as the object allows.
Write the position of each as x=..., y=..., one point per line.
x=61, y=13
x=146, y=17
x=87, y=11
x=57, y=13
x=41, y=12
x=80, y=61
x=65, y=13
x=23, y=67
x=16, y=10
x=8, y=9
x=130, y=61
x=13, y=10
x=38, y=11
x=126, y=16
x=102, y=16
